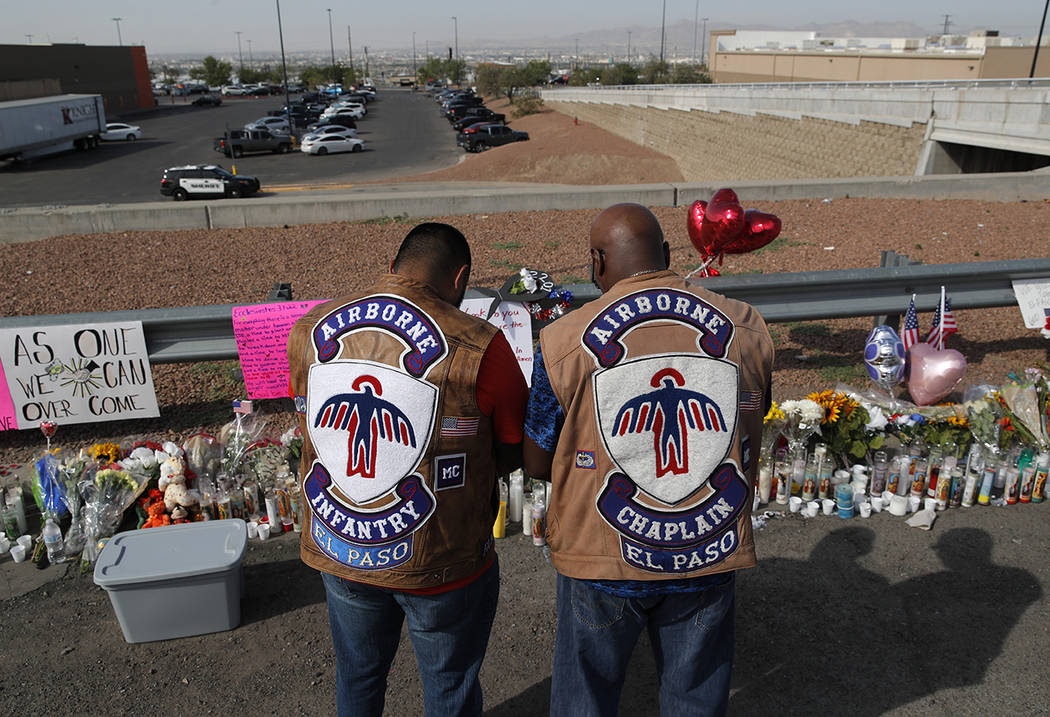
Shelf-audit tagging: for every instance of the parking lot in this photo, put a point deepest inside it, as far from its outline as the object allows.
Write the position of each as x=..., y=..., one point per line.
x=403, y=132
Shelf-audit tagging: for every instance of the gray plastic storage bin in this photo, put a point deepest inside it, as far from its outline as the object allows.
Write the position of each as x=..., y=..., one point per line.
x=175, y=581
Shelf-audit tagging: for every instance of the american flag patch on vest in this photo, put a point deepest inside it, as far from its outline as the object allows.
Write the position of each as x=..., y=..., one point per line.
x=750, y=400
x=457, y=426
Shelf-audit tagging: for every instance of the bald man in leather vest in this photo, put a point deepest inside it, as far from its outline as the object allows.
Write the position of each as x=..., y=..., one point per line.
x=646, y=413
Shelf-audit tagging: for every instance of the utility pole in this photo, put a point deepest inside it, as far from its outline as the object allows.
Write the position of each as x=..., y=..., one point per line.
x=415, y=65
x=366, y=61
x=349, y=49
x=117, y=20
x=663, y=26
x=251, y=62
x=576, y=55
x=284, y=67
x=1038, y=41
x=29, y=39
x=703, y=41
x=947, y=23
x=696, y=26
x=455, y=28
x=239, y=53
x=628, y=47
x=331, y=43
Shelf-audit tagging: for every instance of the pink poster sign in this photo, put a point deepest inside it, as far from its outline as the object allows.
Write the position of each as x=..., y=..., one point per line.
x=261, y=331
x=8, y=419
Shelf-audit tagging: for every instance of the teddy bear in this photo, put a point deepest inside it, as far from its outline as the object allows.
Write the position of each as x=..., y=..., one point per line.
x=173, y=482
x=157, y=516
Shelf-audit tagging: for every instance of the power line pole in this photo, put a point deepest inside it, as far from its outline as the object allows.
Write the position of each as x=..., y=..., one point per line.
x=117, y=20
x=628, y=47
x=1038, y=40
x=696, y=26
x=251, y=62
x=331, y=43
x=239, y=53
x=455, y=28
x=284, y=67
x=703, y=46
x=947, y=23
x=349, y=49
x=415, y=65
x=663, y=26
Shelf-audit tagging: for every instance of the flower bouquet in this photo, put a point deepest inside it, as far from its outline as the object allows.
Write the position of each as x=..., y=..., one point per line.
x=845, y=427
x=237, y=437
x=802, y=419
x=203, y=458
x=106, y=495
x=292, y=440
x=72, y=469
x=1021, y=403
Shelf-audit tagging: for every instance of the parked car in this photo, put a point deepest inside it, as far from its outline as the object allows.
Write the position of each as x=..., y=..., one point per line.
x=236, y=142
x=489, y=135
x=259, y=91
x=205, y=100
x=120, y=131
x=352, y=113
x=277, y=125
x=474, y=117
x=341, y=121
x=356, y=109
x=330, y=129
x=232, y=90
x=205, y=180
x=330, y=144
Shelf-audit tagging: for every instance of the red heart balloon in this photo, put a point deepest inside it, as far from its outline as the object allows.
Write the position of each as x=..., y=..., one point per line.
x=761, y=229
x=48, y=428
x=694, y=223
x=723, y=221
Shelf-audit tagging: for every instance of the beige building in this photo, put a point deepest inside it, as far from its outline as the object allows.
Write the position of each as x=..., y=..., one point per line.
x=863, y=64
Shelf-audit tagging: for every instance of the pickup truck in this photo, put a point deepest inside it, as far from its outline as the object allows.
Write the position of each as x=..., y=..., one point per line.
x=489, y=136
x=238, y=141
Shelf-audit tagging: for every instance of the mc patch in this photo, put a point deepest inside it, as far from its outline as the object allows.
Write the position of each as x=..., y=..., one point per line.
x=450, y=471
x=585, y=460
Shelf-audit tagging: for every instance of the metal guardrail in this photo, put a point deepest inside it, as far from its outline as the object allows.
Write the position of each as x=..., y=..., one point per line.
x=205, y=333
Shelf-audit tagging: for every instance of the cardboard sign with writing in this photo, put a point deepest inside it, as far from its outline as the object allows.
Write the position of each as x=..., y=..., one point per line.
x=262, y=332
x=1033, y=297
x=83, y=373
x=515, y=321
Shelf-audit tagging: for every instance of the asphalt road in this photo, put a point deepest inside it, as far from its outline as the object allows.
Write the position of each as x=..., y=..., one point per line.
x=404, y=134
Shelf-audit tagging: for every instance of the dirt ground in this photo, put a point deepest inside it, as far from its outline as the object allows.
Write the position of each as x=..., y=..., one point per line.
x=860, y=617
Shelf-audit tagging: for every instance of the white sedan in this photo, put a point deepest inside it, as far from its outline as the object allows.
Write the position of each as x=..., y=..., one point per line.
x=330, y=129
x=120, y=131
x=334, y=111
x=330, y=144
x=277, y=125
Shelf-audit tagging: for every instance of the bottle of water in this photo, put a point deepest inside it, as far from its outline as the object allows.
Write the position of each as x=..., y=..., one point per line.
x=56, y=551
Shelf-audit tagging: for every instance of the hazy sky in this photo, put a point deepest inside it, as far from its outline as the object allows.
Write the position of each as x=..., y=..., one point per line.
x=208, y=26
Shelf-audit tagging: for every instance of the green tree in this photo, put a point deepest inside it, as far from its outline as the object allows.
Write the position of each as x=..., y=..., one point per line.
x=620, y=74
x=583, y=76
x=687, y=74
x=654, y=72
x=536, y=72
x=436, y=68
x=265, y=74
x=489, y=79
x=214, y=72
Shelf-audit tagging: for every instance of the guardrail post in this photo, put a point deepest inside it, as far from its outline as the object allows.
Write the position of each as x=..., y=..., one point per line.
x=892, y=258
x=281, y=292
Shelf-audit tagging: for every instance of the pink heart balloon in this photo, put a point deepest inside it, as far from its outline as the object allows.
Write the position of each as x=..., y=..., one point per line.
x=933, y=374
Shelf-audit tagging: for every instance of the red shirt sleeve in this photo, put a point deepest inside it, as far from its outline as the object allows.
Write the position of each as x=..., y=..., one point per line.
x=501, y=391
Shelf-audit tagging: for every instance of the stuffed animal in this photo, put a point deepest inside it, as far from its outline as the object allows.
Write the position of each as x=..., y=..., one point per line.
x=173, y=482
x=179, y=515
x=157, y=516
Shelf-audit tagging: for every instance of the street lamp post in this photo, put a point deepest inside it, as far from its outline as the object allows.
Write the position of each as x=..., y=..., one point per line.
x=455, y=29
x=240, y=54
x=350, y=50
x=251, y=62
x=331, y=42
x=696, y=26
x=117, y=20
x=576, y=55
x=628, y=47
x=663, y=26
x=415, y=66
x=703, y=52
x=1038, y=41
x=284, y=67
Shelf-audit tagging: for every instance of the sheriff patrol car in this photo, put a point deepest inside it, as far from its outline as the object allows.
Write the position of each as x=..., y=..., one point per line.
x=205, y=180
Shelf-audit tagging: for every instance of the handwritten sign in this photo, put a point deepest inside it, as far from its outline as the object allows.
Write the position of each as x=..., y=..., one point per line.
x=515, y=321
x=75, y=374
x=1033, y=296
x=261, y=331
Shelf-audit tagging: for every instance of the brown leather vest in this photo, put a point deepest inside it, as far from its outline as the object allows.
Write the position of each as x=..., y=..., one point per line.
x=397, y=464
x=662, y=386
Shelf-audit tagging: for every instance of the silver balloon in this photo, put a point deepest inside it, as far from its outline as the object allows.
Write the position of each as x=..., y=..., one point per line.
x=884, y=357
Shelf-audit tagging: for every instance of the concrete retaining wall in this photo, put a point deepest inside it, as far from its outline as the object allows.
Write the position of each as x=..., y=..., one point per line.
x=724, y=146
x=311, y=208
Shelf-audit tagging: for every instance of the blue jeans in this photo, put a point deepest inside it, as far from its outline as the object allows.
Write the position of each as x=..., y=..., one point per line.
x=449, y=632
x=691, y=634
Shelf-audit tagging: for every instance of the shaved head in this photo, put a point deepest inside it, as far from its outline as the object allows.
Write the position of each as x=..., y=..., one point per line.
x=626, y=240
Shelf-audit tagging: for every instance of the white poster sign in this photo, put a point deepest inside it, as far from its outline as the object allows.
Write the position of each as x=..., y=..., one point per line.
x=75, y=374
x=515, y=321
x=1033, y=296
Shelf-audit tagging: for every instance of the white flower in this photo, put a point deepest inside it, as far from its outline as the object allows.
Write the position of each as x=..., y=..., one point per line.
x=288, y=436
x=172, y=449
x=527, y=280
x=143, y=457
x=876, y=418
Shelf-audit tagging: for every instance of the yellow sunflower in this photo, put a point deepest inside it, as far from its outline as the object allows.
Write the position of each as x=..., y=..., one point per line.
x=834, y=404
x=775, y=414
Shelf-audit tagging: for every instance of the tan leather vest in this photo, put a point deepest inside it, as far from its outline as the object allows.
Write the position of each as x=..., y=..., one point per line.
x=397, y=468
x=662, y=385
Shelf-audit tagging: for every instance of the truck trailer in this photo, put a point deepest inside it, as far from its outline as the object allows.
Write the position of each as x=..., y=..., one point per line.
x=46, y=125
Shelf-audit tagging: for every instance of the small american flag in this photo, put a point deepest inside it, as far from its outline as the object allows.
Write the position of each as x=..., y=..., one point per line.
x=456, y=426
x=940, y=331
x=244, y=407
x=750, y=400
x=910, y=335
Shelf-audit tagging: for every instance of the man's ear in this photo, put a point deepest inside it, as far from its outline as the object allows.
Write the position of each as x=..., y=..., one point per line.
x=391, y=267
x=462, y=277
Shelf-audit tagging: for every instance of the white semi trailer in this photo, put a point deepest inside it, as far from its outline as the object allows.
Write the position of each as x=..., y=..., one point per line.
x=45, y=125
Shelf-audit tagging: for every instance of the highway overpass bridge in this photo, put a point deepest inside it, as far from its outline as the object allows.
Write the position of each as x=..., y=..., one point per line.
x=834, y=129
